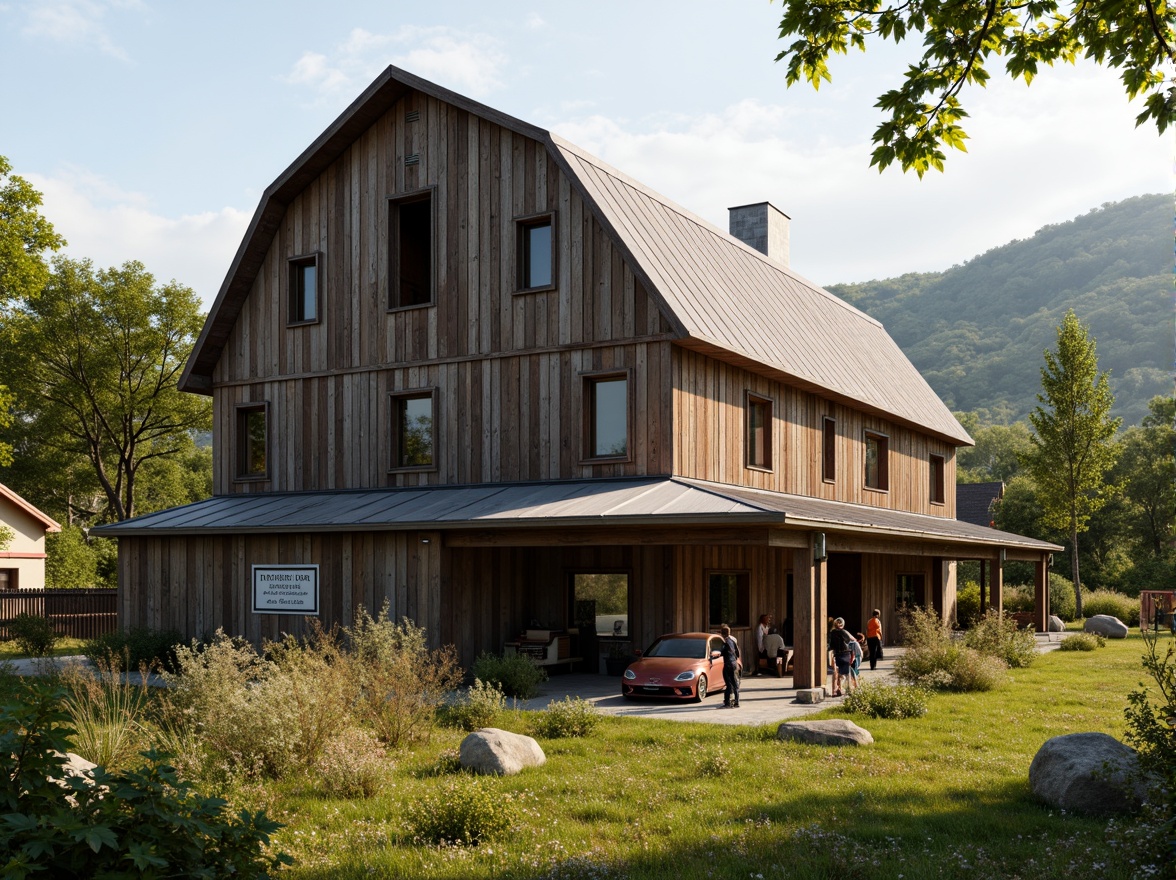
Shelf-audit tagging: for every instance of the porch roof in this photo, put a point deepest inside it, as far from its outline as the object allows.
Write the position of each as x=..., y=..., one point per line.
x=630, y=502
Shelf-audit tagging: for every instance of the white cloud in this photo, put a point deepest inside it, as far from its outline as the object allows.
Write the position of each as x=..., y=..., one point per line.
x=467, y=63
x=77, y=22
x=110, y=226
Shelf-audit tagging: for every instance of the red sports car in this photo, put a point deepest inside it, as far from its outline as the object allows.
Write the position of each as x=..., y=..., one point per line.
x=683, y=666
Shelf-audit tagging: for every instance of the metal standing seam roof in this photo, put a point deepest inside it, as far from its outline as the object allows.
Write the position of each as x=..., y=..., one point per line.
x=554, y=504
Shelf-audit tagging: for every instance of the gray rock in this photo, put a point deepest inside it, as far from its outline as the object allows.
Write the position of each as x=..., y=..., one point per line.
x=810, y=695
x=1088, y=773
x=491, y=751
x=1056, y=624
x=1106, y=625
x=837, y=732
x=76, y=765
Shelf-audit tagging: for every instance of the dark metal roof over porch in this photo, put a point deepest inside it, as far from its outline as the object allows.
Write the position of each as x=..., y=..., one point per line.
x=635, y=502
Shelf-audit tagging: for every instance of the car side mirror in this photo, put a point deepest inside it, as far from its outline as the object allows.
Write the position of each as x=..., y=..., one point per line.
x=637, y=653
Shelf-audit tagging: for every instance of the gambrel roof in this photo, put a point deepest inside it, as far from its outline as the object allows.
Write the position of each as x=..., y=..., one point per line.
x=720, y=296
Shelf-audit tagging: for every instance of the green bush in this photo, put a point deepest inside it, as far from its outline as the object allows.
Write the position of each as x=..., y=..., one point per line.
x=465, y=811
x=144, y=822
x=569, y=717
x=136, y=648
x=999, y=637
x=934, y=659
x=477, y=707
x=353, y=764
x=106, y=711
x=1061, y=596
x=1018, y=597
x=967, y=603
x=1082, y=642
x=887, y=701
x=33, y=633
x=1112, y=603
x=515, y=675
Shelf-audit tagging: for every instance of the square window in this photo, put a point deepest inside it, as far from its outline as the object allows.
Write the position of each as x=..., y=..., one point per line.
x=759, y=432
x=608, y=416
x=877, y=461
x=535, y=254
x=728, y=591
x=600, y=603
x=252, y=441
x=410, y=271
x=829, y=450
x=937, y=485
x=412, y=430
x=909, y=591
x=304, y=287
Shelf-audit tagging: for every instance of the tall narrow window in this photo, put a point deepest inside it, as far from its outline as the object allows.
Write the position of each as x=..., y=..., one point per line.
x=877, y=461
x=759, y=432
x=937, y=487
x=535, y=255
x=412, y=430
x=728, y=594
x=252, y=442
x=410, y=273
x=829, y=450
x=608, y=416
x=304, y=290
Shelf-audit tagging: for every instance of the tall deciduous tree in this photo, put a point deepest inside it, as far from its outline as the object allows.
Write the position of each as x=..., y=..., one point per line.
x=1073, y=437
x=959, y=39
x=93, y=361
x=1149, y=475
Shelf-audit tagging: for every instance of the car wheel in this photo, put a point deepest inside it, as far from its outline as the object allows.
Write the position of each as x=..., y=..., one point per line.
x=700, y=692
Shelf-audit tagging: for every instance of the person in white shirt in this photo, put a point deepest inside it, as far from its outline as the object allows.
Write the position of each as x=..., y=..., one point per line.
x=765, y=623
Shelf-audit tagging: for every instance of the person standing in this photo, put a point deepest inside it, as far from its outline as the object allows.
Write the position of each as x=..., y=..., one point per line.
x=842, y=653
x=775, y=652
x=761, y=630
x=730, y=655
x=874, y=638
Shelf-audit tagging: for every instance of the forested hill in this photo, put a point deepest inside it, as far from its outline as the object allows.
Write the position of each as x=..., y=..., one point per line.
x=977, y=331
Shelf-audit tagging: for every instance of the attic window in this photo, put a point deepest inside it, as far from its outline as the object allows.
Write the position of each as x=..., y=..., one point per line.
x=304, y=290
x=937, y=484
x=535, y=253
x=410, y=251
x=759, y=433
x=606, y=416
x=877, y=461
x=829, y=450
x=252, y=441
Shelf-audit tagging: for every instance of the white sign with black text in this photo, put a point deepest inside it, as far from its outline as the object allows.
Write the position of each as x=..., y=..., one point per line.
x=285, y=589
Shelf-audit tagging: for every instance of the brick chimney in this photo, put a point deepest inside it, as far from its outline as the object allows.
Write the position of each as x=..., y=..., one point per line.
x=763, y=227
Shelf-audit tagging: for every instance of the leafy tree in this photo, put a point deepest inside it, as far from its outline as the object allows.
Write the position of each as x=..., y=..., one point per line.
x=960, y=38
x=1073, y=438
x=1149, y=475
x=996, y=455
x=94, y=360
x=70, y=563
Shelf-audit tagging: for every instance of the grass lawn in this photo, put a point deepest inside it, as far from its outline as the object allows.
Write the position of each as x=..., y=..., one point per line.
x=10, y=650
x=945, y=795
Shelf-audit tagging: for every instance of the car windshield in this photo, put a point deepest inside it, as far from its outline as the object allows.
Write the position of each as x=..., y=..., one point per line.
x=694, y=649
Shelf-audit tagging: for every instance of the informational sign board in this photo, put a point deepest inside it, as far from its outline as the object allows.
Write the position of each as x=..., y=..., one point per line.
x=285, y=589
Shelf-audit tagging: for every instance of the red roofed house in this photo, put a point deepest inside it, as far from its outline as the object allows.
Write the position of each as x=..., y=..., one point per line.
x=22, y=561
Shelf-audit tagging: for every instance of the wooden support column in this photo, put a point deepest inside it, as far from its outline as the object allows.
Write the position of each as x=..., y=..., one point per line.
x=1041, y=594
x=809, y=600
x=998, y=583
x=983, y=586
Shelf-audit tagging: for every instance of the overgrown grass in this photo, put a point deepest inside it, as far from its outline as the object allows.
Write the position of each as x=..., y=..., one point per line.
x=942, y=795
x=65, y=647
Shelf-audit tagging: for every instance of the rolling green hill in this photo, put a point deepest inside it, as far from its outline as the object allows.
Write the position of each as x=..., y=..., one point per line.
x=977, y=331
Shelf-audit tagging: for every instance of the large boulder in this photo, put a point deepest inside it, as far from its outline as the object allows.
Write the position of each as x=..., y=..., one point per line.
x=837, y=732
x=495, y=752
x=1106, y=625
x=1056, y=624
x=1088, y=773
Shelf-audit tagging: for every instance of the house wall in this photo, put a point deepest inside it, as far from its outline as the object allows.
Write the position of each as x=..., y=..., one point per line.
x=24, y=558
x=709, y=401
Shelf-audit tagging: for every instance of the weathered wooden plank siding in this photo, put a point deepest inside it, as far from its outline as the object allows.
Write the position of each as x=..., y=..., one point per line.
x=710, y=435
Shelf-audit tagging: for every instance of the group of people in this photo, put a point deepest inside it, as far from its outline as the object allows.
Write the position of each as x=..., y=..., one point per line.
x=846, y=652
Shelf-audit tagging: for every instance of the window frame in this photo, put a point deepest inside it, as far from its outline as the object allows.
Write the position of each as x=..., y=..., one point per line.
x=241, y=456
x=829, y=449
x=917, y=591
x=573, y=573
x=937, y=478
x=883, y=441
x=742, y=597
x=394, y=204
x=588, y=383
x=294, y=297
x=396, y=432
x=751, y=401
x=523, y=226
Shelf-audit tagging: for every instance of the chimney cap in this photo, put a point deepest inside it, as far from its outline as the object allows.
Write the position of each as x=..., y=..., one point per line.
x=756, y=205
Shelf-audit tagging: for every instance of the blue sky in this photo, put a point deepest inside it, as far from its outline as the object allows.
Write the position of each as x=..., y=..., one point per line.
x=152, y=127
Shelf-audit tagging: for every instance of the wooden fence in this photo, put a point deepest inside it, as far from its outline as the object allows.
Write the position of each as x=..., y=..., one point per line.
x=82, y=614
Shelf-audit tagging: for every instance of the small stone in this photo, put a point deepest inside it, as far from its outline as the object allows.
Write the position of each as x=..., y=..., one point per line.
x=810, y=695
x=1056, y=624
x=836, y=732
x=495, y=752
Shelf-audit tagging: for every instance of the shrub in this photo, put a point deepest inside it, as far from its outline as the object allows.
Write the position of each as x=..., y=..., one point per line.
x=1150, y=733
x=107, y=712
x=887, y=701
x=464, y=811
x=1082, y=642
x=400, y=682
x=515, y=675
x=1018, y=597
x=353, y=764
x=1112, y=603
x=934, y=660
x=1061, y=596
x=999, y=637
x=967, y=603
x=572, y=716
x=477, y=707
x=146, y=822
x=33, y=633
x=135, y=648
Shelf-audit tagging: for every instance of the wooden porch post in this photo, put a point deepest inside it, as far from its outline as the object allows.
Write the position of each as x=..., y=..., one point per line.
x=1041, y=594
x=998, y=582
x=809, y=599
x=983, y=586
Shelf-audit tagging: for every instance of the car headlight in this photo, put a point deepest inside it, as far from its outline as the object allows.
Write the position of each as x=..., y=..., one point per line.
x=630, y=674
x=684, y=676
